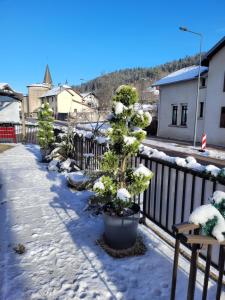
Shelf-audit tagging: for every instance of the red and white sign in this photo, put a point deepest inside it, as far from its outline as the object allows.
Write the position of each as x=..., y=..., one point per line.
x=203, y=142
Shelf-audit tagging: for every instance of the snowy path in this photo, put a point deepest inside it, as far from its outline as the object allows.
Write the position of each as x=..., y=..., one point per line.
x=62, y=260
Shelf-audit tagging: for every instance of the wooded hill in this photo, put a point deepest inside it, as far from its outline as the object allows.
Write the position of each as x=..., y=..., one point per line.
x=105, y=85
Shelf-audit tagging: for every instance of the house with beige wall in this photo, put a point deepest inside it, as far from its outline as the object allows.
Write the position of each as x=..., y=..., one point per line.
x=64, y=101
x=178, y=95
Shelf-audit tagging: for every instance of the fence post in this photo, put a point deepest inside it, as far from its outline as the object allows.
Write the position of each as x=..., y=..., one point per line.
x=175, y=266
x=221, y=271
x=193, y=271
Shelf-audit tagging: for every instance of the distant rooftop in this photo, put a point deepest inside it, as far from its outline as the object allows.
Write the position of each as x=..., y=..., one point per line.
x=7, y=92
x=184, y=74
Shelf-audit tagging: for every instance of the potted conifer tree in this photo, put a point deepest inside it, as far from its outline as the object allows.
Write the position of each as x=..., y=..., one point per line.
x=121, y=183
x=45, y=129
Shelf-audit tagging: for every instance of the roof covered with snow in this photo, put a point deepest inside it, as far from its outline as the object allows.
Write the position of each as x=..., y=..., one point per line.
x=56, y=90
x=7, y=92
x=39, y=85
x=3, y=85
x=184, y=74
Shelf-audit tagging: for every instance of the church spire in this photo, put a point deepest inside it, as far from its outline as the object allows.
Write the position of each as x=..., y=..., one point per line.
x=47, y=78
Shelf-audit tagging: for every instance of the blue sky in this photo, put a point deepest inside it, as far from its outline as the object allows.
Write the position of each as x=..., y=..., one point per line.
x=83, y=39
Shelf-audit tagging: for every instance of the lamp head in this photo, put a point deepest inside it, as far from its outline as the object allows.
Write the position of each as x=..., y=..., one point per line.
x=183, y=28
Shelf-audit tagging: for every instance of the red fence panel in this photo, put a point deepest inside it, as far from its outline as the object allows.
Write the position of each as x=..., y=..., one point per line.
x=8, y=133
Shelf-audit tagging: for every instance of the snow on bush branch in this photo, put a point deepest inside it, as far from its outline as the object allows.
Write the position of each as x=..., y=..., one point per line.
x=211, y=217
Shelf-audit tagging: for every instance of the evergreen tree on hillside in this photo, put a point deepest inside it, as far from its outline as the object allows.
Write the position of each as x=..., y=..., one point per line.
x=104, y=86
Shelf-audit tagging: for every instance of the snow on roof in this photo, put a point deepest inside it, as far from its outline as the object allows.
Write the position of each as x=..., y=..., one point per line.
x=184, y=74
x=3, y=85
x=55, y=90
x=39, y=85
x=85, y=94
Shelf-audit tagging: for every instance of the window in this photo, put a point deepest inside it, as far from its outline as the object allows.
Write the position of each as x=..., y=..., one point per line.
x=183, y=115
x=201, y=109
x=203, y=82
x=222, y=117
x=174, y=114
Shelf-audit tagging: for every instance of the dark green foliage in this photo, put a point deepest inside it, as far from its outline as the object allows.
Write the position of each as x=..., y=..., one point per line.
x=45, y=126
x=209, y=225
x=121, y=184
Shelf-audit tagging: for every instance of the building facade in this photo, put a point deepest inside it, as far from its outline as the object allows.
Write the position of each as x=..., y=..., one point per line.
x=178, y=94
x=10, y=102
x=65, y=101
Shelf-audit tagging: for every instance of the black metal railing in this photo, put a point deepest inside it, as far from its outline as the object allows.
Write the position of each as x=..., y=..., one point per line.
x=173, y=193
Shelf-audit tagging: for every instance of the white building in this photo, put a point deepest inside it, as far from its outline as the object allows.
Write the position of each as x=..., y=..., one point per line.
x=177, y=104
x=90, y=99
x=9, y=104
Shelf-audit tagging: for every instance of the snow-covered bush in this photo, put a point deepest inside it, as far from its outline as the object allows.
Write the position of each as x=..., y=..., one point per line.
x=122, y=183
x=66, y=146
x=211, y=217
x=45, y=126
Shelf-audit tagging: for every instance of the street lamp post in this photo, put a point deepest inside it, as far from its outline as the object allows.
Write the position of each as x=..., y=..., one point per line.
x=199, y=77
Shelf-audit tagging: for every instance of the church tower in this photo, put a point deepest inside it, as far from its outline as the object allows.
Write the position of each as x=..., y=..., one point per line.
x=36, y=90
x=47, y=78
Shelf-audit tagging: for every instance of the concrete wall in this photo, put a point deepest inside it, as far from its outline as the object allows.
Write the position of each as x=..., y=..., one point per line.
x=9, y=112
x=178, y=94
x=215, y=99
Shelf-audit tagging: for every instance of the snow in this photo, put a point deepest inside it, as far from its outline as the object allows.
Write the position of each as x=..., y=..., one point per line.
x=149, y=117
x=62, y=260
x=190, y=159
x=195, y=166
x=129, y=140
x=101, y=139
x=89, y=155
x=142, y=170
x=180, y=162
x=53, y=165
x=207, y=212
x=119, y=108
x=77, y=177
x=66, y=165
x=213, y=170
x=189, y=150
x=123, y=194
x=98, y=185
x=181, y=75
x=218, y=196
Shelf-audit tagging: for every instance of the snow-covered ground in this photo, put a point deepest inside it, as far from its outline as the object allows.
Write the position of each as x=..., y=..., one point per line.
x=62, y=260
x=189, y=150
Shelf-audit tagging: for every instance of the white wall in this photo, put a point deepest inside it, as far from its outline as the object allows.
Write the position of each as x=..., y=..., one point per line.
x=215, y=99
x=178, y=94
x=9, y=112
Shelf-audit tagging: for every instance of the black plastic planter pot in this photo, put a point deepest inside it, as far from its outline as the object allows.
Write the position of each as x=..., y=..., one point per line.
x=121, y=232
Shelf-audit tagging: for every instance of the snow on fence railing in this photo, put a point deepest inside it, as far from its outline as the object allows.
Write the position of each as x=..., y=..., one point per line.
x=177, y=188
